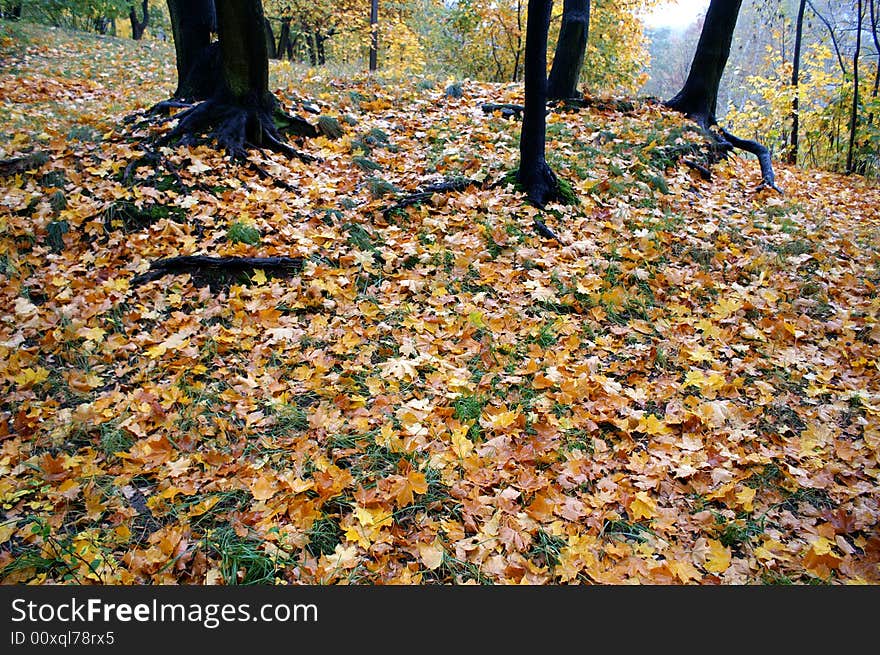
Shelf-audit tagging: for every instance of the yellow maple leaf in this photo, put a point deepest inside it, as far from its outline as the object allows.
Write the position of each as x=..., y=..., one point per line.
x=643, y=506
x=264, y=487
x=461, y=445
x=718, y=558
x=259, y=276
x=650, y=424
x=30, y=376
x=431, y=555
x=745, y=497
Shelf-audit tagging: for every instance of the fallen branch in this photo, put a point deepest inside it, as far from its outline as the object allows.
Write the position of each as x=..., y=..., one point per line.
x=211, y=270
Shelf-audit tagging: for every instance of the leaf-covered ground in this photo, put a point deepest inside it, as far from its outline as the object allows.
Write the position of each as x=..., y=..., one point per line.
x=681, y=389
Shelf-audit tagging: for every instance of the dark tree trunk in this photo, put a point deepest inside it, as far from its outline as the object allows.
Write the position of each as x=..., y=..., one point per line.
x=319, y=47
x=698, y=98
x=270, y=41
x=241, y=112
x=854, y=116
x=875, y=19
x=138, y=27
x=570, y=48
x=101, y=24
x=284, y=45
x=534, y=174
x=192, y=22
x=374, y=35
x=795, y=83
x=699, y=95
x=313, y=48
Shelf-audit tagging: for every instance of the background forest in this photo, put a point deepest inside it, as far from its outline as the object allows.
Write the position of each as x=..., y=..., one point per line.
x=485, y=42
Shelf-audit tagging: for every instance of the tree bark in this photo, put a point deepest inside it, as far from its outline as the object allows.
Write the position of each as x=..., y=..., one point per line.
x=570, y=49
x=535, y=176
x=698, y=97
x=374, y=35
x=241, y=112
x=875, y=19
x=192, y=22
x=271, y=48
x=284, y=40
x=854, y=116
x=138, y=27
x=795, y=83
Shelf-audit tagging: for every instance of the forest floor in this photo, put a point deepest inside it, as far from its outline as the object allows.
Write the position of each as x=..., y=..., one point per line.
x=681, y=388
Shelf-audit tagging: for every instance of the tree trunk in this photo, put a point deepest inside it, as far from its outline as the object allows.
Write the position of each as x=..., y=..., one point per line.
x=795, y=84
x=192, y=22
x=854, y=116
x=319, y=47
x=374, y=35
x=875, y=19
x=534, y=174
x=698, y=97
x=243, y=54
x=313, y=49
x=270, y=41
x=138, y=27
x=241, y=112
x=284, y=39
x=570, y=48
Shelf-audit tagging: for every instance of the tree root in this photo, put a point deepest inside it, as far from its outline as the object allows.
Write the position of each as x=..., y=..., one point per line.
x=216, y=271
x=768, y=177
x=425, y=193
x=151, y=158
x=544, y=231
x=507, y=110
x=236, y=128
x=703, y=171
x=263, y=174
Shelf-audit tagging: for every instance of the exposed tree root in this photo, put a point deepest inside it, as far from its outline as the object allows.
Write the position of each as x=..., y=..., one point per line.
x=507, y=110
x=545, y=231
x=602, y=104
x=16, y=165
x=723, y=142
x=703, y=171
x=266, y=175
x=539, y=184
x=216, y=271
x=154, y=159
x=768, y=177
x=237, y=128
x=425, y=193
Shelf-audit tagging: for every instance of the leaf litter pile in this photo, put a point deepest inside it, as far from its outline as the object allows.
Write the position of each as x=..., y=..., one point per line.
x=681, y=387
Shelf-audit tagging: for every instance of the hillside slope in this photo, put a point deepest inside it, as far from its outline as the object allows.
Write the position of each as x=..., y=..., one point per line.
x=682, y=388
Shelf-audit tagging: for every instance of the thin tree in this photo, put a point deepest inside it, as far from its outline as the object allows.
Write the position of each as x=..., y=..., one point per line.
x=534, y=175
x=698, y=98
x=854, y=116
x=570, y=50
x=374, y=35
x=795, y=83
x=241, y=111
x=139, y=26
x=874, y=13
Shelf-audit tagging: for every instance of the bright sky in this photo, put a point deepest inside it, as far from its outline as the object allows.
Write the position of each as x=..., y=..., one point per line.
x=676, y=13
